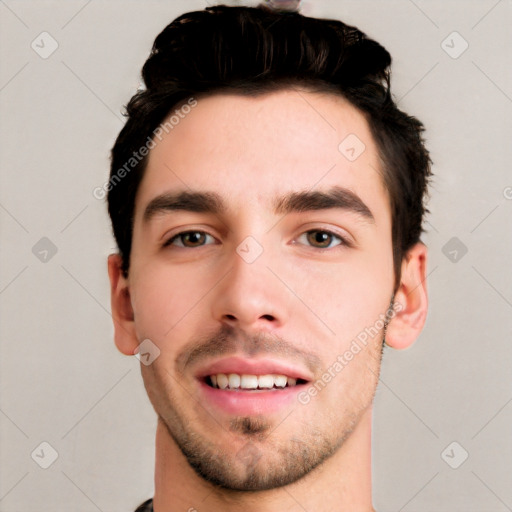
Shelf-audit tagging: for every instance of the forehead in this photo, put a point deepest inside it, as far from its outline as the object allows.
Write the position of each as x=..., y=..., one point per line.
x=252, y=149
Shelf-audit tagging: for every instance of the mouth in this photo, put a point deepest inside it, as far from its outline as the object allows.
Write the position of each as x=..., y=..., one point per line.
x=251, y=382
x=241, y=386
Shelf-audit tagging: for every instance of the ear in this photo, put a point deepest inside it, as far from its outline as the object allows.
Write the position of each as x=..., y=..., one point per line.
x=410, y=318
x=122, y=311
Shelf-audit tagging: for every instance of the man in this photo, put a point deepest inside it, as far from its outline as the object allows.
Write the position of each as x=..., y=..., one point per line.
x=266, y=197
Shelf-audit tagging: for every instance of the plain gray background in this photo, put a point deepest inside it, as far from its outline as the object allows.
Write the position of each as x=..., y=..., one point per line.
x=63, y=381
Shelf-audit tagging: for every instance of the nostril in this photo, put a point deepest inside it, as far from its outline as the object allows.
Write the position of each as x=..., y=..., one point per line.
x=233, y=318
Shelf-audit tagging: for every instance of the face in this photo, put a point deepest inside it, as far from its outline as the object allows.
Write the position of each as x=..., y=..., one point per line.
x=261, y=251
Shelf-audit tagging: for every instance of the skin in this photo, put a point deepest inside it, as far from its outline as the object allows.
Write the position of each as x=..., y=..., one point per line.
x=298, y=301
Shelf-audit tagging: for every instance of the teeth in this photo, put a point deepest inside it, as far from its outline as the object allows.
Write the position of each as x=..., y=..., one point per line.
x=222, y=381
x=266, y=381
x=237, y=381
x=234, y=380
x=249, y=382
x=280, y=381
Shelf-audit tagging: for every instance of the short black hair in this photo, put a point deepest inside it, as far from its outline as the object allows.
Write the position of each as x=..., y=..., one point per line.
x=254, y=50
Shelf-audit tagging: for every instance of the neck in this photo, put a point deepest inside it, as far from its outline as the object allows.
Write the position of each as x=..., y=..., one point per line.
x=342, y=483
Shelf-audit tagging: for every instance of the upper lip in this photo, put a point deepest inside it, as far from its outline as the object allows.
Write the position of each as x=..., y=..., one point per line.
x=252, y=366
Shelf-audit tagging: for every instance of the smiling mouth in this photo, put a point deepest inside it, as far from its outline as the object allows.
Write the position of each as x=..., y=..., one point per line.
x=246, y=382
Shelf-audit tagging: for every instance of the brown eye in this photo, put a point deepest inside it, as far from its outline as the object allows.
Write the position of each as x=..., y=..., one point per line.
x=321, y=239
x=190, y=239
x=193, y=238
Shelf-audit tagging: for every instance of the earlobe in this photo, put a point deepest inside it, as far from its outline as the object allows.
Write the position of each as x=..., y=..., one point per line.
x=411, y=300
x=122, y=310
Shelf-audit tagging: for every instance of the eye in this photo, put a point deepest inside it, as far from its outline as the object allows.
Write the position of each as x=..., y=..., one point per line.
x=321, y=239
x=190, y=239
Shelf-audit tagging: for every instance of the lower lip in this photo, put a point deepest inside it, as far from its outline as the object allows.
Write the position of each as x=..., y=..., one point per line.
x=249, y=402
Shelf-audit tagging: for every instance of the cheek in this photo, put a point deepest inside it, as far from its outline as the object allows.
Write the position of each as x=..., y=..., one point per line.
x=347, y=296
x=166, y=298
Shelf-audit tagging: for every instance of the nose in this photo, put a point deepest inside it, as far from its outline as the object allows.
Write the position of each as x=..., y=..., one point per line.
x=250, y=297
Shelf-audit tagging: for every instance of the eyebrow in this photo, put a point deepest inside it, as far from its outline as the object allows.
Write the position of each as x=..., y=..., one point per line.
x=200, y=202
x=334, y=197
x=211, y=202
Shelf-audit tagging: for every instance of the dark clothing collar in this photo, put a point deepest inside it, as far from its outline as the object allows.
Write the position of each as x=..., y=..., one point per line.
x=147, y=506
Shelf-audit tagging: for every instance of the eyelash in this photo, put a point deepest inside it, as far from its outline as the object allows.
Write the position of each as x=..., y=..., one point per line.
x=183, y=233
x=342, y=241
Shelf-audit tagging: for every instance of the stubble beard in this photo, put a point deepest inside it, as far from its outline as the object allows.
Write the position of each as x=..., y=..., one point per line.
x=260, y=464
x=266, y=459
